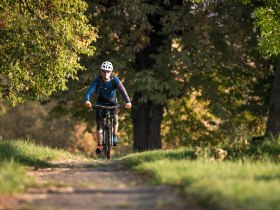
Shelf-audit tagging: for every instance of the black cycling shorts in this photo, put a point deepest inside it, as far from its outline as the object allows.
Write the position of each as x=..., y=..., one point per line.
x=100, y=115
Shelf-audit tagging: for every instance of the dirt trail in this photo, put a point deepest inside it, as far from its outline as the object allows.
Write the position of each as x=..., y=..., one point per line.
x=96, y=185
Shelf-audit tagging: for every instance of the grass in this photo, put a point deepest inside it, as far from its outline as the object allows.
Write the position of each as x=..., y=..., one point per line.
x=28, y=153
x=13, y=178
x=241, y=184
x=15, y=155
x=251, y=182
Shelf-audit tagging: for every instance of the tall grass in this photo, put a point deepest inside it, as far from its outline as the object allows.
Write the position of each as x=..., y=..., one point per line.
x=28, y=153
x=16, y=154
x=240, y=184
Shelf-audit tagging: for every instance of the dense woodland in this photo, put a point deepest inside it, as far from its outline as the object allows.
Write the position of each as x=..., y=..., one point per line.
x=198, y=72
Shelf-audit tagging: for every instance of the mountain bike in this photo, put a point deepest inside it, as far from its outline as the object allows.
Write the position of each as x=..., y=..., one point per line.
x=107, y=141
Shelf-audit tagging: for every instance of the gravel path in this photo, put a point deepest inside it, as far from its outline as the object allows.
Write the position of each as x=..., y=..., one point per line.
x=96, y=185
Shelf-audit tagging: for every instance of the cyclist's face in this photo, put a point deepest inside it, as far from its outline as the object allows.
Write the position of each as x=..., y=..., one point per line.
x=106, y=74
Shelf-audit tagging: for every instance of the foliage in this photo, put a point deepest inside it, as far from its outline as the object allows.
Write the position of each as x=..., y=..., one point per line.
x=269, y=22
x=267, y=149
x=40, y=43
x=188, y=121
x=32, y=120
x=204, y=49
x=225, y=81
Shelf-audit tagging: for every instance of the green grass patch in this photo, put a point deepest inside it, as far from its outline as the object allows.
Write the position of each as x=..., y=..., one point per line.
x=246, y=184
x=15, y=155
x=28, y=153
x=13, y=178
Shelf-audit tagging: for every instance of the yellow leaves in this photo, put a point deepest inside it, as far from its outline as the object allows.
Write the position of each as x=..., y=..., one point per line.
x=221, y=154
x=176, y=45
x=211, y=154
x=4, y=18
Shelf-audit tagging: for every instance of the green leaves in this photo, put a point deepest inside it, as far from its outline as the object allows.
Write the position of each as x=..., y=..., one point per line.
x=268, y=19
x=40, y=45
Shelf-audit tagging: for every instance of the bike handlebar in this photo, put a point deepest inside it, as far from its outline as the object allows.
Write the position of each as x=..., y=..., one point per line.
x=105, y=107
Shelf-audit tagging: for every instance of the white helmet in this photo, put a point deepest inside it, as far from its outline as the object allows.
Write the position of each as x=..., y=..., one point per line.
x=107, y=66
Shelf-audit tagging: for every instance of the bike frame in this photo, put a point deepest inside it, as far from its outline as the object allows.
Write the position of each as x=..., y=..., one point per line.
x=107, y=141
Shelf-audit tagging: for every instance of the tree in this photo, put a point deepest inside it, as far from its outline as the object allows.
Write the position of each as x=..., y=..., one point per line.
x=168, y=50
x=268, y=19
x=40, y=44
x=207, y=48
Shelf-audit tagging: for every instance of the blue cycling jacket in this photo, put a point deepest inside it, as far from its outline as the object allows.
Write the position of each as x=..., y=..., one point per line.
x=106, y=93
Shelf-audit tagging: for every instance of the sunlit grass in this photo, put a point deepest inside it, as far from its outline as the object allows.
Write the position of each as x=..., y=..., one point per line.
x=229, y=185
x=15, y=155
x=28, y=153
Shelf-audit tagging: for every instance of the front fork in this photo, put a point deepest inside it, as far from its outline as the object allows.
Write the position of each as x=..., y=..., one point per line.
x=105, y=133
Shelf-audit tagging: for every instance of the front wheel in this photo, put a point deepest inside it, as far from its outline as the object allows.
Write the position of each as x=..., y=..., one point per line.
x=107, y=146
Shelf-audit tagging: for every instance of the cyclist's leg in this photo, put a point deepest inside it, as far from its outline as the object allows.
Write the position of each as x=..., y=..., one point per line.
x=115, y=120
x=99, y=131
x=115, y=126
x=99, y=136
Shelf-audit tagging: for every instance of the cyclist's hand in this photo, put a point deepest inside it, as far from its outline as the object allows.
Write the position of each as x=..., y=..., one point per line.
x=128, y=105
x=88, y=104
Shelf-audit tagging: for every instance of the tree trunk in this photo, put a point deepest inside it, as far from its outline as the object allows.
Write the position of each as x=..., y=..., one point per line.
x=147, y=116
x=147, y=119
x=273, y=121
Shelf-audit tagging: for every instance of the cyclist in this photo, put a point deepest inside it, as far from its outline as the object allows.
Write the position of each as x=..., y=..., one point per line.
x=105, y=86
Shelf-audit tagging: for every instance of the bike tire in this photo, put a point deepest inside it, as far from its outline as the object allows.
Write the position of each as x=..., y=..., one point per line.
x=107, y=149
x=110, y=141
